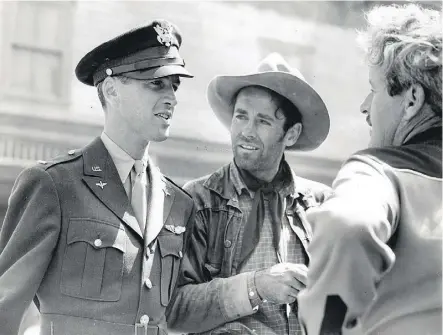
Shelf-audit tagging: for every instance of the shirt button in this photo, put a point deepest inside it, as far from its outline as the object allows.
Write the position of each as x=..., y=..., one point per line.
x=144, y=319
x=98, y=243
x=228, y=244
x=148, y=283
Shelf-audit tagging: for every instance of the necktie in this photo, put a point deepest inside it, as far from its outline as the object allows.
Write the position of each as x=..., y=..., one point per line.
x=256, y=217
x=138, y=198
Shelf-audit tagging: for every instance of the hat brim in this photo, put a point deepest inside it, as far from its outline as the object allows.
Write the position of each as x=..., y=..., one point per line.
x=315, y=116
x=159, y=72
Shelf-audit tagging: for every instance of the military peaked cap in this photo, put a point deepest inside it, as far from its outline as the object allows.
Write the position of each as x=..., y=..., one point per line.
x=146, y=52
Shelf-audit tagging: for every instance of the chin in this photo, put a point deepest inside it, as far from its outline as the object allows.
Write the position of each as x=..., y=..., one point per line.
x=161, y=136
x=245, y=163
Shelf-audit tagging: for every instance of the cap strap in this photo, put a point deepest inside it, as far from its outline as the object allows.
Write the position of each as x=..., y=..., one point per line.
x=144, y=65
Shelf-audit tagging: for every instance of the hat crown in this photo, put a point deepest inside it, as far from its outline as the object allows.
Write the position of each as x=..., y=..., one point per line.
x=275, y=63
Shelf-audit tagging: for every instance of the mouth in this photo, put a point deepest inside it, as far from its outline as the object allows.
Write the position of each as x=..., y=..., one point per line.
x=164, y=115
x=248, y=147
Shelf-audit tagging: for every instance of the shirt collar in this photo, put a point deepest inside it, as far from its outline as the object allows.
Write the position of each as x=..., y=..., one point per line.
x=240, y=185
x=122, y=160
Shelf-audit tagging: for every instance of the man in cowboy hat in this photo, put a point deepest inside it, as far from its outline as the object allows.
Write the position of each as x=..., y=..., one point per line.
x=96, y=237
x=247, y=258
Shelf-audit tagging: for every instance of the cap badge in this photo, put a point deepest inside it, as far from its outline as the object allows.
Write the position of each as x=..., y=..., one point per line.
x=164, y=32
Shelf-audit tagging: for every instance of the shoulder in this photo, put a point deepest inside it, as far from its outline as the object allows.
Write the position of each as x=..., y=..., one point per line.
x=423, y=159
x=40, y=171
x=196, y=186
x=70, y=156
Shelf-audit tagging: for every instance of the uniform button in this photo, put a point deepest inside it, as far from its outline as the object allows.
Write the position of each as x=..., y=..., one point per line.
x=251, y=294
x=98, y=242
x=228, y=244
x=180, y=254
x=144, y=319
x=71, y=152
x=148, y=283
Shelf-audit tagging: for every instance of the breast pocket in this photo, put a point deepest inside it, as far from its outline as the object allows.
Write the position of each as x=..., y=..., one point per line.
x=93, y=261
x=170, y=246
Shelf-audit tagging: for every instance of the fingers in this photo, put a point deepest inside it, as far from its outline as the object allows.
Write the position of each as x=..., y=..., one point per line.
x=298, y=272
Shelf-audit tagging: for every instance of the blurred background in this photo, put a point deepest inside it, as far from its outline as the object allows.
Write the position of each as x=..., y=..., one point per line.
x=45, y=111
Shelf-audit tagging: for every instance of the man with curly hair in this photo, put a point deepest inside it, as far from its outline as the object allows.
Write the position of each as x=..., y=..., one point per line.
x=376, y=252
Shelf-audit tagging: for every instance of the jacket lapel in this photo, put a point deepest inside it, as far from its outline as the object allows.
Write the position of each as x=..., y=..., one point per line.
x=160, y=196
x=101, y=176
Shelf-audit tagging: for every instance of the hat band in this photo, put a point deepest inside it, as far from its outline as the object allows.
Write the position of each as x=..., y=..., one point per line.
x=144, y=59
x=144, y=65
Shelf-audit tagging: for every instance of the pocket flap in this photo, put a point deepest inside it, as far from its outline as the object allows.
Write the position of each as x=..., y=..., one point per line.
x=170, y=244
x=98, y=234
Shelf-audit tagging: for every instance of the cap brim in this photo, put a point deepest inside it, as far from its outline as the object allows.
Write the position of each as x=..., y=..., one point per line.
x=159, y=72
x=315, y=116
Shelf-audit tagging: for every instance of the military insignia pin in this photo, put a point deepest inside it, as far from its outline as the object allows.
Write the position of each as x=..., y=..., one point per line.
x=101, y=184
x=164, y=32
x=175, y=229
x=96, y=168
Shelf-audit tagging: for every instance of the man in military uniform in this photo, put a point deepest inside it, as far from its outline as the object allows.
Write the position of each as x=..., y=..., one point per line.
x=96, y=238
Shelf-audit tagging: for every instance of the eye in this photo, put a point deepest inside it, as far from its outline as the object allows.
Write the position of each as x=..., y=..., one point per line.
x=156, y=84
x=240, y=116
x=267, y=123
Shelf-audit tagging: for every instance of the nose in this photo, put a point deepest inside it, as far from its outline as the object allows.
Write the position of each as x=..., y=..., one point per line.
x=171, y=98
x=364, y=107
x=248, y=130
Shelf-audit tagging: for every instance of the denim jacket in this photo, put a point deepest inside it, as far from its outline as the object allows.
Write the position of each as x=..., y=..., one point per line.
x=210, y=292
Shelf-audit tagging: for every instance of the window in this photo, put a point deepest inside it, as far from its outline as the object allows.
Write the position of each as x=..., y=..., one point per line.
x=37, y=50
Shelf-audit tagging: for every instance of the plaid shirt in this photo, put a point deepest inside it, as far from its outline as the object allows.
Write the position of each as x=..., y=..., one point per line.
x=270, y=318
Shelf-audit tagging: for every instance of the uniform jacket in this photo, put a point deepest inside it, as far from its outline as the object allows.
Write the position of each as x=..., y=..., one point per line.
x=211, y=292
x=71, y=241
x=376, y=254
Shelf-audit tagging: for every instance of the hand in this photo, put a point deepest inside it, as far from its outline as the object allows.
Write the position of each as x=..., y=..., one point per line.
x=281, y=283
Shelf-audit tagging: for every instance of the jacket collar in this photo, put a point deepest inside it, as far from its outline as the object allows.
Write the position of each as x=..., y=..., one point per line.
x=431, y=135
x=227, y=183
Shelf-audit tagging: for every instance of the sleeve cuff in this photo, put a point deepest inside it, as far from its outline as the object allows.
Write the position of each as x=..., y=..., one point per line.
x=254, y=297
x=235, y=300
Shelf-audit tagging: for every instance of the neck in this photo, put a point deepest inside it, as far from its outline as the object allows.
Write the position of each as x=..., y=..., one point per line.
x=423, y=121
x=128, y=142
x=268, y=174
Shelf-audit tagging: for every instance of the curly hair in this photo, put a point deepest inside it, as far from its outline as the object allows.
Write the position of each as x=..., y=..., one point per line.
x=406, y=42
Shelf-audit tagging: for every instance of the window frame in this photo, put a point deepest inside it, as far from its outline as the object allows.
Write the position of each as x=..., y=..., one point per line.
x=9, y=18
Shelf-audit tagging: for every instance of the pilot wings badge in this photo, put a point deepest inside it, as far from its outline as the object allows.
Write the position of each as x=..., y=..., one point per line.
x=175, y=229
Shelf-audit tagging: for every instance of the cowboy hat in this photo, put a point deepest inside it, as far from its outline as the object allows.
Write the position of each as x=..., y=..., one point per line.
x=275, y=74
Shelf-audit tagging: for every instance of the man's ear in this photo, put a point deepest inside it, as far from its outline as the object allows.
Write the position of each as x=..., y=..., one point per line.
x=109, y=89
x=414, y=100
x=293, y=134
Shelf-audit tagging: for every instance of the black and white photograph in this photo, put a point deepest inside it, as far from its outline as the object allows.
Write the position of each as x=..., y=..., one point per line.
x=221, y=167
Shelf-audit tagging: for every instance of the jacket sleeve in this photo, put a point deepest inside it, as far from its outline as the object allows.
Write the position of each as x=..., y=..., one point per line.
x=349, y=251
x=27, y=239
x=201, y=303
